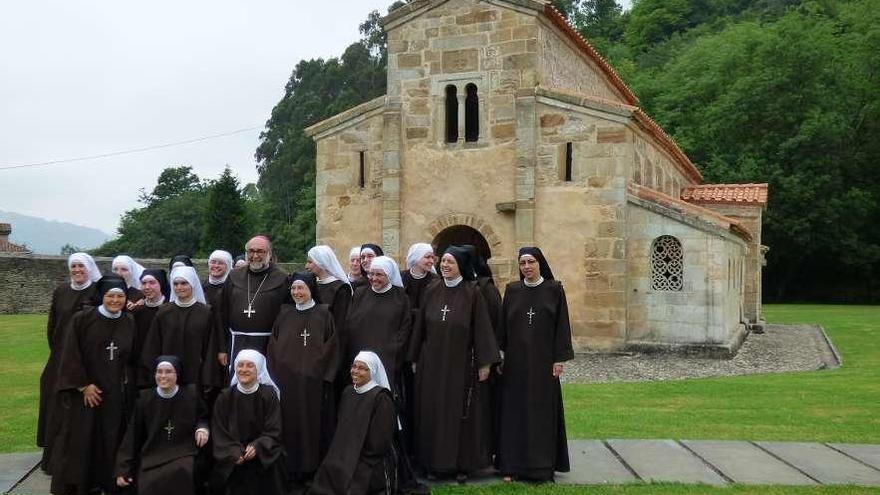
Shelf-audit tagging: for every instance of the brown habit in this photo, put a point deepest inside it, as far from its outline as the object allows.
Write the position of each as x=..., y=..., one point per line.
x=453, y=338
x=380, y=323
x=159, y=447
x=65, y=302
x=303, y=358
x=355, y=463
x=89, y=345
x=240, y=291
x=187, y=333
x=534, y=334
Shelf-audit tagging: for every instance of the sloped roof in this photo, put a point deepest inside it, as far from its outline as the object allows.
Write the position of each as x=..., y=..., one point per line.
x=689, y=209
x=732, y=194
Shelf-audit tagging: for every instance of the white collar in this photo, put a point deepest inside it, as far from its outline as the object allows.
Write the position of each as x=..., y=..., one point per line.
x=306, y=305
x=248, y=391
x=182, y=304
x=108, y=314
x=85, y=285
x=151, y=304
x=417, y=277
x=383, y=289
x=370, y=385
x=217, y=281
x=535, y=283
x=328, y=280
x=454, y=282
x=169, y=394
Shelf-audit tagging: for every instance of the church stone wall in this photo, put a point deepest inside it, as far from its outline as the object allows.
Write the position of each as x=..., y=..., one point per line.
x=706, y=313
x=348, y=214
x=563, y=66
x=581, y=224
x=653, y=168
x=27, y=281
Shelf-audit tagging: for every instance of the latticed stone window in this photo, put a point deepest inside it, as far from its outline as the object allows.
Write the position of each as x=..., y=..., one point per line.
x=667, y=264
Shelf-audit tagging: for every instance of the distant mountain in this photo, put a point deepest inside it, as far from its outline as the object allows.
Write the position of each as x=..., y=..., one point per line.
x=48, y=236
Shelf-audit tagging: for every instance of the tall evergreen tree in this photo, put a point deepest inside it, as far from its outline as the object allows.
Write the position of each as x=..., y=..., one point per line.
x=225, y=216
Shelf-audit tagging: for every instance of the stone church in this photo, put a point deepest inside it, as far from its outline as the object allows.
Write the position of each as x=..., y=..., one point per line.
x=502, y=127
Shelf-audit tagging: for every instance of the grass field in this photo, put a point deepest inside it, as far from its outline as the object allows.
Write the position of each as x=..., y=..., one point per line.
x=840, y=405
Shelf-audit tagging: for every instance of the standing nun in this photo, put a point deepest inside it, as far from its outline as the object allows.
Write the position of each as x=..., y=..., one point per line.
x=368, y=253
x=303, y=356
x=452, y=350
x=354, y=267
x=379, y=319
x=154, y=285
x=186, y=328
x=360, y=460
x=246, y=430
x=219, y=267
x=131, y=271
x=419, y=272
x=536, y=339
x=169, y=426
x=94, y=359
x=67, y=299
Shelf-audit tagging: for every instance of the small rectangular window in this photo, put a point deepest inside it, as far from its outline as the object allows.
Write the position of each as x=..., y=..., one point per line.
x=568, y=153
x=362, y=169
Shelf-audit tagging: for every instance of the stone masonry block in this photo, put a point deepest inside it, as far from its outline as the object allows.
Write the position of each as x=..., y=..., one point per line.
x=409, y=60
x=460, y=61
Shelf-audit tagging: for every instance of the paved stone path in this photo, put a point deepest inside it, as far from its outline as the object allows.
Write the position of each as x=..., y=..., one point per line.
x=601, y=462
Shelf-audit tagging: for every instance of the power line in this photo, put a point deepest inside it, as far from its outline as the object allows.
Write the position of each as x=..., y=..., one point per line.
x=130, y=151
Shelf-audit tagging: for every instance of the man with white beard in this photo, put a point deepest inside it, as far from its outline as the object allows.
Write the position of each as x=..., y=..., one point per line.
x=252, y=299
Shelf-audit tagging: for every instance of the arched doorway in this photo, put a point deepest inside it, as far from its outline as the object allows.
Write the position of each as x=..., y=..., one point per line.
x=458, y=235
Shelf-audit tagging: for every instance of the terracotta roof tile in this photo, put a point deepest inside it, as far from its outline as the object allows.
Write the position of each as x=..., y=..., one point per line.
x=690, y=209
x=734, y=194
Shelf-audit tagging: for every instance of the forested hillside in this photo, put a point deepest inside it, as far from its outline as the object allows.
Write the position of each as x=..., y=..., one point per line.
x=778, y=91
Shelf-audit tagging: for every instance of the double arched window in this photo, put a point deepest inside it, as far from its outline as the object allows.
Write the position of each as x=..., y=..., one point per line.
x=471, y=113
x=667, y=264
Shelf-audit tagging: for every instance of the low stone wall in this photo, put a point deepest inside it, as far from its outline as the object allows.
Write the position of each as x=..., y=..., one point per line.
x=27, y=281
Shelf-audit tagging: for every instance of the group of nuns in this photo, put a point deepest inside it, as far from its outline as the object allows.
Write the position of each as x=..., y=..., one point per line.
x=371, y=374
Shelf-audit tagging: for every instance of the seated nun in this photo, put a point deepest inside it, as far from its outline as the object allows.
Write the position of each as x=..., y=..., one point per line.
x=169, y=426
x=246, y=429
x=360, y=458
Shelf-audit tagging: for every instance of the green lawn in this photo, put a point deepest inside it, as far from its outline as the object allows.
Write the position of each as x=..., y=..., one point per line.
x=839, y=405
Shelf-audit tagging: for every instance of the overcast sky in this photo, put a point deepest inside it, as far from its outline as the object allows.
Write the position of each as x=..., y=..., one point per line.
x=83, y=78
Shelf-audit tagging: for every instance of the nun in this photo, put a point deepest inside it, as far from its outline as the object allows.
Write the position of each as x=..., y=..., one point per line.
x=180, y=260
x=154, y=285
x=246, y=430
x=186, y=328
x=166, y=431
x=67, y=299
x=536, y=339
x=94, y=359
x=131, y=271
x=360, y=458
x=368, y=253
x=420, y=272
x=486, y=283
x=219, y=266
x=334, y=288
x=354, y=267
x=379, y=319
x=303, y=356
x=452, y=350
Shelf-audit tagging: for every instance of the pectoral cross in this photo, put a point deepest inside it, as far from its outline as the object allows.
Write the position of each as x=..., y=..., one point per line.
x=169, y=428
x=112, y=348
x=305, y=335
x=249, y=311
x=531, y=313
x=445, y=310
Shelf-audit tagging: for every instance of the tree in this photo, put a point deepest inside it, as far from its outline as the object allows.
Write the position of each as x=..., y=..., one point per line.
x=224, y=225
x=172, y=181
x=68, y=249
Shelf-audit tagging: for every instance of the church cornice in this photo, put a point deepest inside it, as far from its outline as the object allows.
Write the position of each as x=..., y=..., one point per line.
x=349, y=117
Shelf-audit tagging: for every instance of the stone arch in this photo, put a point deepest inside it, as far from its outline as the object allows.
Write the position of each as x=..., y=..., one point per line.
x=476, y=223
